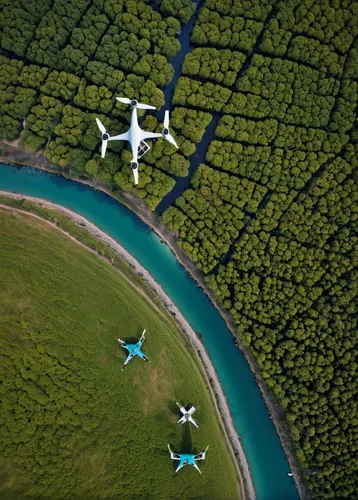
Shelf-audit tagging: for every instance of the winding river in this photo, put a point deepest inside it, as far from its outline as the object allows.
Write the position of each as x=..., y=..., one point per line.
x=262, y=446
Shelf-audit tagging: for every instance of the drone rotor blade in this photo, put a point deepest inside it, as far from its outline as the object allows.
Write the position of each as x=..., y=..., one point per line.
x=125, y=100
x=100, y=126
x=171, y=139
x=193, y=421
x=166, y=119
x=145, y=106
x=104, y=148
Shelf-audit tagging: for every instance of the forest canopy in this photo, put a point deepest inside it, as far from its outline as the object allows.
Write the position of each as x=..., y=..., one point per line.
x=271, y=218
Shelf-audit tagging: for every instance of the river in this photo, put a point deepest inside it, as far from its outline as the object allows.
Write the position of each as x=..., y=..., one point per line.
x=261, y=443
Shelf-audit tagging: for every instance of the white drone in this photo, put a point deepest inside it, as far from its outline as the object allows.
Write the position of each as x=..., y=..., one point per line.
x=135, y=135
x=187, y=412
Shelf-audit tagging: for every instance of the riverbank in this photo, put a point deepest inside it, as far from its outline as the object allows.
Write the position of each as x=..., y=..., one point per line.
x=247, y=489
x=13, y=155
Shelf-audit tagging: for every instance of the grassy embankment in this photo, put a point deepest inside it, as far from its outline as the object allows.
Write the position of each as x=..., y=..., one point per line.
x=72, y=424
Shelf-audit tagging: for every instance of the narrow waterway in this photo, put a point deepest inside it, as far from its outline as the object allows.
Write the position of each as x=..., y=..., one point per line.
x=262, y=446
x=182, y=183
x=177, y=61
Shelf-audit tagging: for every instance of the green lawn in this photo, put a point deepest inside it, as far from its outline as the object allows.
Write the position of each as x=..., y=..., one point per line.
x=72, y=425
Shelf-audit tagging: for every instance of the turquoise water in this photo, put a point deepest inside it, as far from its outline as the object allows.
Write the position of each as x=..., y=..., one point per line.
x=261, y=443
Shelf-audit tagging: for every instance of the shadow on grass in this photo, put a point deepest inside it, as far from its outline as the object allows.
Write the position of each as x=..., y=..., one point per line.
x=162, y=452
x=139, y=332
x=133, y=340
x=186, y=441
x=172, y=407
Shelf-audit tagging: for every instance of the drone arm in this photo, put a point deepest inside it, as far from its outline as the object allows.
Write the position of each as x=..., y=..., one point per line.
x=197, y=468
x=142, y=339
x=150, y=135
x=120, y=137
x=129, y=358
x=179, y=466
x=202, y=455
x=143, y=356
x=123, y=344
x=135, y=175
x=193, y=422
x=181, y=408
x=181, y=420
x=173, y=456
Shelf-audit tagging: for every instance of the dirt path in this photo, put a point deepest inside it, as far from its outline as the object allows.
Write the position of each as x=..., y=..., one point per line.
x=234, y=444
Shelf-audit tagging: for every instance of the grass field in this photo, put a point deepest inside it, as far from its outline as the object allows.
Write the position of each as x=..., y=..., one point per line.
x=72, y=425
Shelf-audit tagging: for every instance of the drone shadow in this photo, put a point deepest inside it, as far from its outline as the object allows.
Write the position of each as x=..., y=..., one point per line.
x=172, y=407
x=131, y=340
x=134, y=340
x=186, y=441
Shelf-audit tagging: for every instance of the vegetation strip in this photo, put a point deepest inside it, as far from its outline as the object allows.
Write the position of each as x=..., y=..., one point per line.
x=213, y=381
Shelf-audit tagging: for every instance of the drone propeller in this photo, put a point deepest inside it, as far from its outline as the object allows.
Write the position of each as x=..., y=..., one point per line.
x=145, y=106
x=134, y=103
x=165, y=132
x=105, y=137
x=125, y=100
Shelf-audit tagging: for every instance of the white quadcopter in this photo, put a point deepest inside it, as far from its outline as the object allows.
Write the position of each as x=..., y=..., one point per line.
x=135, y=135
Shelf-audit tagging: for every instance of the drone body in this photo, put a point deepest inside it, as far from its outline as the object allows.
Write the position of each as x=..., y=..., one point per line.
x=187, y=458
x=133, y=350
x=135, y=135
x=187, y=412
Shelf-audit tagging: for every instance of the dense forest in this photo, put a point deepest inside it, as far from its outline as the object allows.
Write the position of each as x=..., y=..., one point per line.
x=63, y=63
x=271, y=213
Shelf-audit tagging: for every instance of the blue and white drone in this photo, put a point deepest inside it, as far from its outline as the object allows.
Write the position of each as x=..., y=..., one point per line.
x=187, y=458
x=133, y=350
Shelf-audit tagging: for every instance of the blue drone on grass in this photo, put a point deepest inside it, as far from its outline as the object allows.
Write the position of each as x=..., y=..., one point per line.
x=187, y=458
x=133, y=350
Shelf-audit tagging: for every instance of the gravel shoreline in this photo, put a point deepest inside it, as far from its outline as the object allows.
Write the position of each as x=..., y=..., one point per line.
x=209, y=369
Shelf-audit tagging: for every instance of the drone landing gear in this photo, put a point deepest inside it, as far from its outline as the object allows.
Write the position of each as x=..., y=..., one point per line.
x=142, y=149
